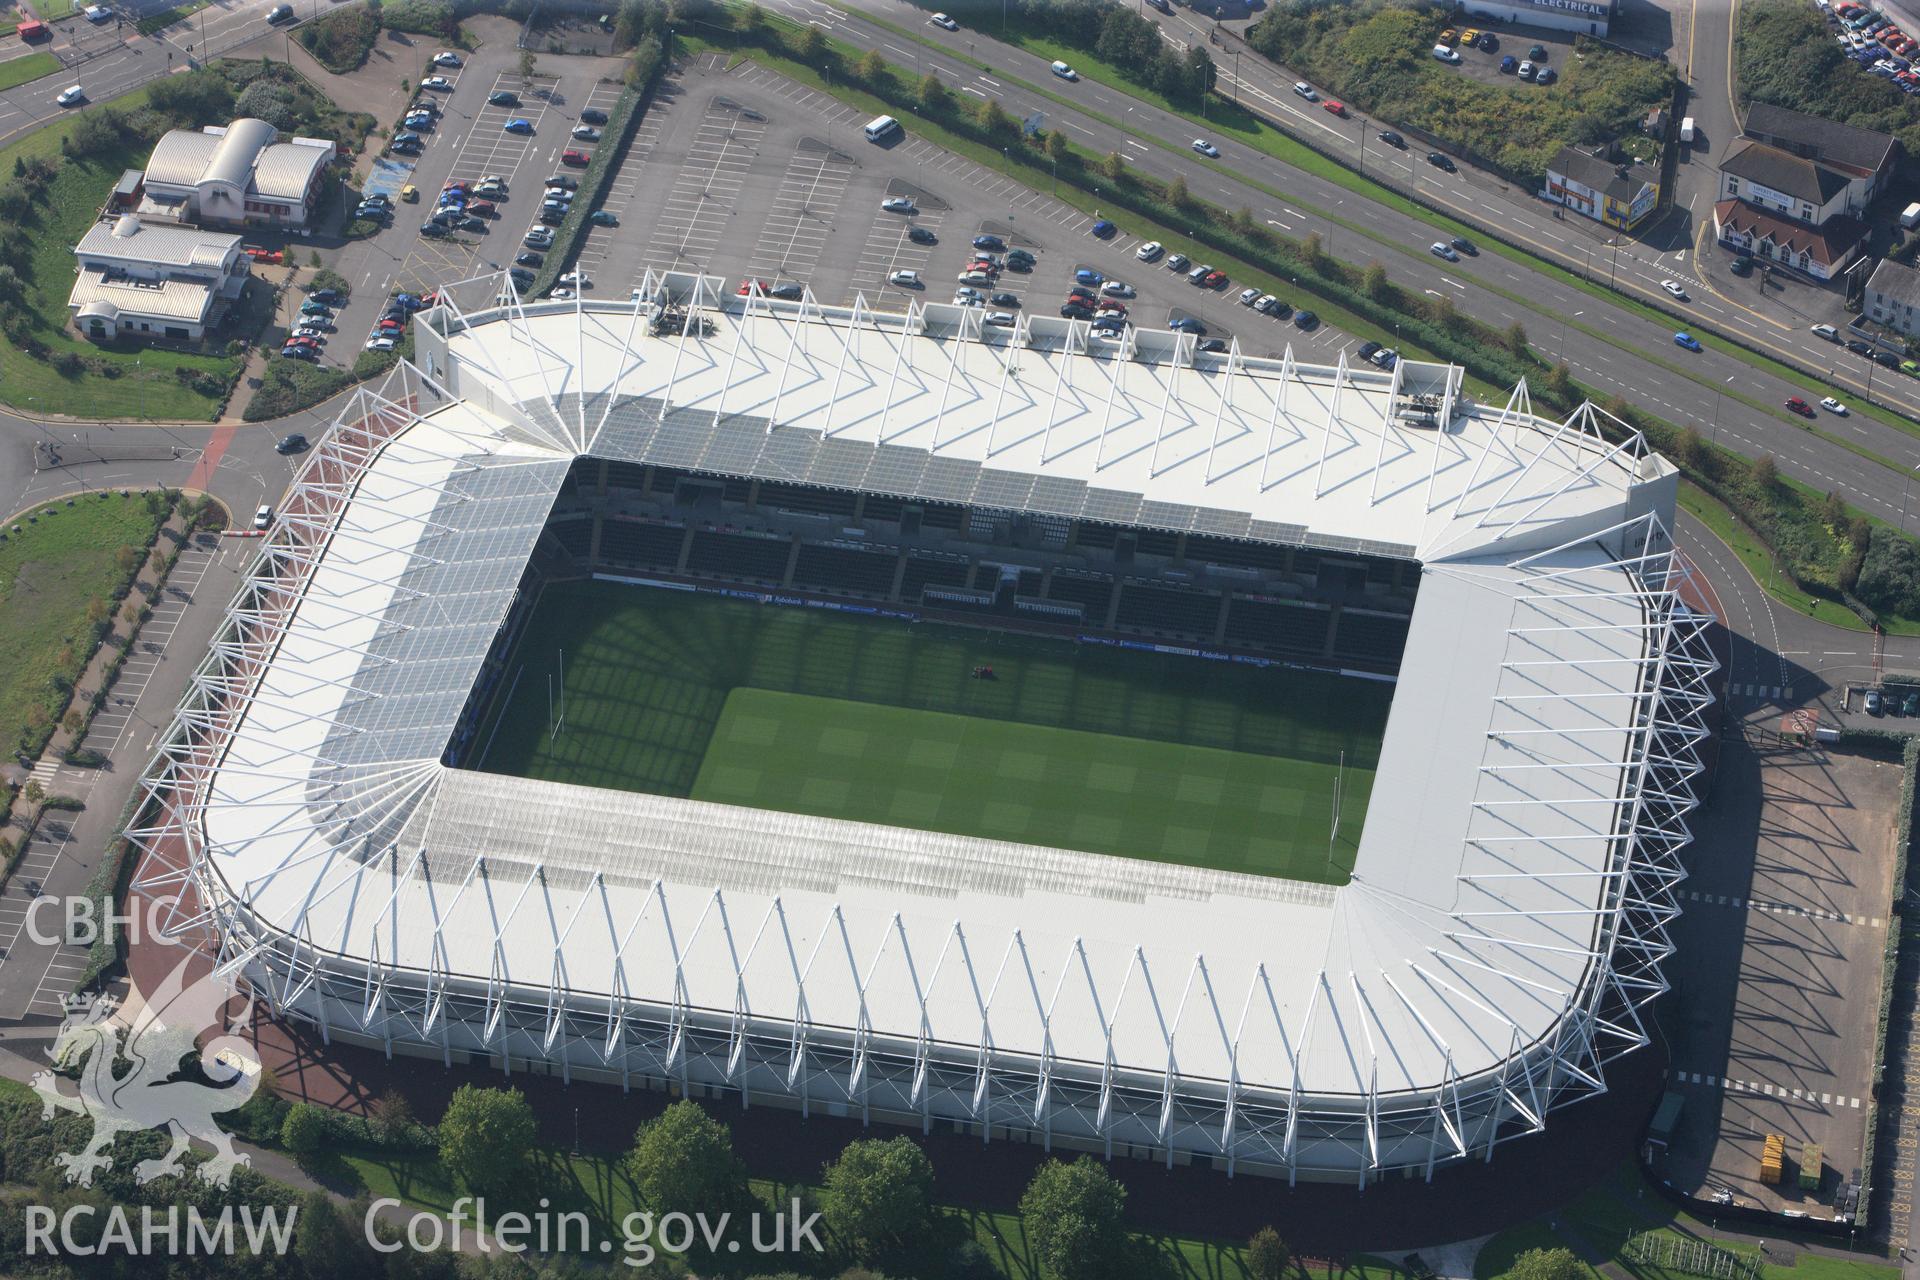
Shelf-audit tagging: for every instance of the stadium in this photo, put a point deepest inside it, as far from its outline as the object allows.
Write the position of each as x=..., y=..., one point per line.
x=1102, y=744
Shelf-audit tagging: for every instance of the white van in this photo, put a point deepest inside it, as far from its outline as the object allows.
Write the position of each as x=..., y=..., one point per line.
x=1686, y=129
x=880, y=127
x=1064, y=71
x=1910, y=216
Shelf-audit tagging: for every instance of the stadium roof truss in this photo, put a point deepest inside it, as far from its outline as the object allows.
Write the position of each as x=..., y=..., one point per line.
x=1507, y=915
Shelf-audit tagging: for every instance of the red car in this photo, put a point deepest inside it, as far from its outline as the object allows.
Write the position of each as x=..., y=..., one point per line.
x=578, y=159
x=461, y=187
x=1213, y=280
x=746, y=287
x=1336, y=107
x=1083, y=297
x=1799, y=406
x=1110, y=304
x=482, y=208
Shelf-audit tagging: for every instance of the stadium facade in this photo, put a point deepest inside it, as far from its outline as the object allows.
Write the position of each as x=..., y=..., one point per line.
x=1507, y=915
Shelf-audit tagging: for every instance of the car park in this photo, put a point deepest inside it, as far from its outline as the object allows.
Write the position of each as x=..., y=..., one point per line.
x=1440, y=161
x=1206, y=148
x=943, y=21
x=1149, y=251
x=1393, y=139
x=922, y=235
x=1305, y=90
x=1686, y=340
x=1834, y=407
x=518, y=125
x=897, y=204
x=1441, y=249
x=1673, y=287
x=440, y=83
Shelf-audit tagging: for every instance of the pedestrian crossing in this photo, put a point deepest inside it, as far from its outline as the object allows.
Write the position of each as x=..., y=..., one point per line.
x=1767, y=1090
x=44, y=770
x=1780, y=908
x=1782, y=693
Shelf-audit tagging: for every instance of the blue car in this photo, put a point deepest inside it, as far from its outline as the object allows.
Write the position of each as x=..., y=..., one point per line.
x=1187, y=324
x=989, y=242
x=1104, y=229
x=517, y=125
x=1686, y=340
x=1087, y=275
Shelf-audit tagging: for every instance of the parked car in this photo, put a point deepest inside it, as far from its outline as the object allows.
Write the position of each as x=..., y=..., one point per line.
x=593, y=115
x=1187, y=324
x=1149, y=251
x=578, y=159
x=539, y=238
x=1088, y=276
x=922, y=235
x=1117, y=289
x=1003, y=319
x=1306, y=320
x=602, y=218
x=1102, y=230
x=530, y=259
x=440, y=83
x=586, y=133
x=905, y=279
x=1367, y=350
x=1545, y=75
x=503, y=98
x=1005, y=299
x=897, y=204
x=1826, y=331
x=1178, y=262
x=327, y=297
x=1076, y=311
x=1526, y=70
x=446, y=58
x=278, y=14
x=1509, y=64
x=989, y=242
x=518, y=125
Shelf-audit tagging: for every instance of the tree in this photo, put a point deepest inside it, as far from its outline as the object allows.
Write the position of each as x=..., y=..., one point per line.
x=304, y=1130
x=812, y=44
x=265, y=100
x=527, y=65
x=934, y=98
x=323, y=1243
x=1072, y=1214
x=1312, y=250
x=485, y=1136
x=1516, y=338
x=1547, y=1264
x=1268, y=1255
x=1373, y=280
x=1763, y=472
x=1890, y=572
x=752, y=20
x=1833, y=513
x=871, y=68
x=1560, y=382
x=1057, y=146
x=993, y=117
x=878, y=1195
x=683, y=1162
x=1177, y=194
x=1113, y=166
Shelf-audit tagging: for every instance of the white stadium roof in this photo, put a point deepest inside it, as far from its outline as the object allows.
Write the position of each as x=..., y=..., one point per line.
x=1510, y=804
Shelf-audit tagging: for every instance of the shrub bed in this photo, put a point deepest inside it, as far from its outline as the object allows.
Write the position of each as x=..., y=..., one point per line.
x=340, y=41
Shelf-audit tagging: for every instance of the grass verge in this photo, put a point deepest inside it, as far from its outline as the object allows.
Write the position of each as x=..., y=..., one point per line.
x=160, y=21
x=60, y=576
x=23, y=70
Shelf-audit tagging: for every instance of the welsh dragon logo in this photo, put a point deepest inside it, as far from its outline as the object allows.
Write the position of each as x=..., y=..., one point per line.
x=149, y=1096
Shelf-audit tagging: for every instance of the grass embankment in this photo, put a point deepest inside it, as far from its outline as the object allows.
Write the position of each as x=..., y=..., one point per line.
x=1596, y=1227
x=59, y=578
x=872, y=720
x=340, y=41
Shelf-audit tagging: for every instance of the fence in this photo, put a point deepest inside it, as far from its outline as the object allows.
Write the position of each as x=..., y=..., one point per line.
x=1692, y=1256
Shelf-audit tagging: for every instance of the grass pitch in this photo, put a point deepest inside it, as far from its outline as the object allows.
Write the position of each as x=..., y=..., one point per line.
x=876, y=720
